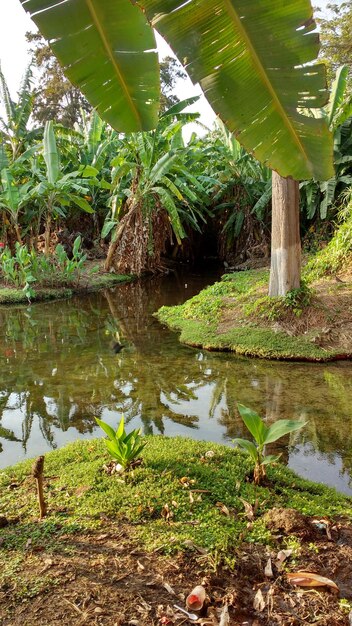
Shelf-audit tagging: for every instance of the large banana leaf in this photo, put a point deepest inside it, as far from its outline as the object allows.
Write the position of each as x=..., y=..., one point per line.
x=107, y=48
x=250, y=57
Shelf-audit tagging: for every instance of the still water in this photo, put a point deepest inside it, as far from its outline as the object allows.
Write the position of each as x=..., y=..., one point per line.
x=59, y=370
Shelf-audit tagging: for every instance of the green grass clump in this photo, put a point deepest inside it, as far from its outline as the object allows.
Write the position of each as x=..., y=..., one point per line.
x=79, y=492
x=17, y=296
x=82, y=499
x=199, y=318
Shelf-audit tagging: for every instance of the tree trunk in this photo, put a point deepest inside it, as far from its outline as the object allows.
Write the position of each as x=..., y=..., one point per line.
x=285, y=272
x=115, y=240
x=47, y=235
x=18, y=234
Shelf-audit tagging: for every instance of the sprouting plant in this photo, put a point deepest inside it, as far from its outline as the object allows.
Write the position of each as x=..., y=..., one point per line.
x=70, y=268
x=263, y=435
x=122, y=447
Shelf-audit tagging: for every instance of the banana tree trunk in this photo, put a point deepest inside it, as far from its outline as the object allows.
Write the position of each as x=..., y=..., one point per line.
x=47, y=235
x=18, y=233
x=113, y=245
x=285, y=272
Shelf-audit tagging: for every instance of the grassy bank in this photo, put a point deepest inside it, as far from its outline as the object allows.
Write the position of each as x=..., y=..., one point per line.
x=181, y=518
x=88, y=283
x=310, y=324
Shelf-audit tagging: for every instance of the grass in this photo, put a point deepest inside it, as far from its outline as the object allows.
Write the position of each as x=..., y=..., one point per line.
x=236, y=315
x=180, y=502
x=9, y=295
x=79, y=493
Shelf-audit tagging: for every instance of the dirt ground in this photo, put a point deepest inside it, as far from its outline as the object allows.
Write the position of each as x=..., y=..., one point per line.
x=105, y=579
x=326, y=322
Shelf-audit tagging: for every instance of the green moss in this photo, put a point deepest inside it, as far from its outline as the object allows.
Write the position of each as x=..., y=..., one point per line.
x=79, y=494
x=16, y=296
x=82, y=499
x=199, y=318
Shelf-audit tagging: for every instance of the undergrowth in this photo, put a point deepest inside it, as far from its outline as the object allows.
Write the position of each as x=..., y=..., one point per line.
x=337, y=253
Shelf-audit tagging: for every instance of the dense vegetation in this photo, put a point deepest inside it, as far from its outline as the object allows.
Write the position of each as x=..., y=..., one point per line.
x=150, y=194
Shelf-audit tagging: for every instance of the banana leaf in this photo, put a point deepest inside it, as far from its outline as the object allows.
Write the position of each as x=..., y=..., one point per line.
x=108, y=50
x=252, y=59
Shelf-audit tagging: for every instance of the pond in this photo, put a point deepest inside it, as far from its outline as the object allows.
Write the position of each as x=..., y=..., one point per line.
x=59, y=370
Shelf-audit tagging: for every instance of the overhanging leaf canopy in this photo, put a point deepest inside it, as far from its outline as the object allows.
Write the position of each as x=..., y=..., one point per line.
x=108, y=49
x=250, y=58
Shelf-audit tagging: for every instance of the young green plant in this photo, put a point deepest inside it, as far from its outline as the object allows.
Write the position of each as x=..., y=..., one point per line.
x=122, y=447
x=263, y=435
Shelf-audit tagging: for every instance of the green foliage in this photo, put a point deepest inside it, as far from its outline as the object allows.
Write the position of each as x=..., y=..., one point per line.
x=70, y=269
x=263, y=435
x=335, y=28
x=122, y=447
x=273, y=308
x=24, y=267
x=18, y=269
x=337, y=253
x=199, y=320
x=209, y=47
x=318, y=197
x=139, y=503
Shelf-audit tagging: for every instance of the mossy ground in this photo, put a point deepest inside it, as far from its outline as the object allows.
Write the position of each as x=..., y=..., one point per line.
x=236, y=315
x=87, y=283
x=181, y=504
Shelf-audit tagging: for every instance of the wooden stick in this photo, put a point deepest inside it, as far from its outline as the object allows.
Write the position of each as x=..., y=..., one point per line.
x=37, y=473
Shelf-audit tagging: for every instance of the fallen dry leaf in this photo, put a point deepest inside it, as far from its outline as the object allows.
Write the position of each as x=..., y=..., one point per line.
x=168, y=588
x=224, y=617
x=167, y=513
x=268, y=571
x=189, y=543
x=223, y=508
x=281, y=557
x=249, y=511
x=259, y=602
x=308, y=579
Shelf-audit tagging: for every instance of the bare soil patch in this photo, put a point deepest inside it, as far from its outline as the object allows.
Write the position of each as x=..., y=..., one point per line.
x=326, y=322
x=103, y=577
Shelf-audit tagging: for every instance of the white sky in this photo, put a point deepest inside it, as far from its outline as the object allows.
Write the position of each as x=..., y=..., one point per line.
x=14, y=52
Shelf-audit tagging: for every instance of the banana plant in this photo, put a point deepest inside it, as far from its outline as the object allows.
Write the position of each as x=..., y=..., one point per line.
x=263, y=435
x=321, y=195
x=125, y=449
x=96, y=147
x=15, y=133
x=15, y=183
x=154, y=187
x=238, y=170
x=56, y=191
x=251, y=59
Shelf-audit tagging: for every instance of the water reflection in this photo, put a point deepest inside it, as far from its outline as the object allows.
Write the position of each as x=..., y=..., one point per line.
x=59, y=370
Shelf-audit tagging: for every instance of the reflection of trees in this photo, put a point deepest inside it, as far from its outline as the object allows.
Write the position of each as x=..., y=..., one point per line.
x=58, y=368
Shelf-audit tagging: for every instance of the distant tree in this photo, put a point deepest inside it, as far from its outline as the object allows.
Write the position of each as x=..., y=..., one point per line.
x=170, y=72
x=56, y=98
x=335, y=36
